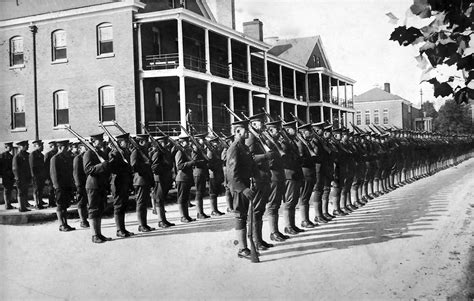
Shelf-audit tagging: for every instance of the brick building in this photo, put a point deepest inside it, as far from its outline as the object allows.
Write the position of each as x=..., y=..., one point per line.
x=381, y=107
x=78, y=62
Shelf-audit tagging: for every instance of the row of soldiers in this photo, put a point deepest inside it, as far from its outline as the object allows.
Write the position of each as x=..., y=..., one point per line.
x=275, y=165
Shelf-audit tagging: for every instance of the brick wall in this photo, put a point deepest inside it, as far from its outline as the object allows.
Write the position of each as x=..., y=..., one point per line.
x=395, y=111
x=81, y=76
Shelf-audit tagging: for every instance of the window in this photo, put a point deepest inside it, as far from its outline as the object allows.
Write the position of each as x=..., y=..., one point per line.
x=385, y=116
x=376, y=117
x=107, y=103
x=156, y=40
x=358, y=118
x=18, y=111
x=16, y=51
x=61, y=108
x=105, y=39
x=59, y=45
x=367, y=116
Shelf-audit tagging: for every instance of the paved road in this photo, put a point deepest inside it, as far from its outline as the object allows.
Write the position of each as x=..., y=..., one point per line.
x=411, y=243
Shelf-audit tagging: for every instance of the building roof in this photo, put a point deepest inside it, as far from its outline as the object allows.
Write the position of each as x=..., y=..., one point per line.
x=300, y=50
x=376, y=94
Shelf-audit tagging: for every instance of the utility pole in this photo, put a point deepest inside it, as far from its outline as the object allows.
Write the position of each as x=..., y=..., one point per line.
x=34, y=30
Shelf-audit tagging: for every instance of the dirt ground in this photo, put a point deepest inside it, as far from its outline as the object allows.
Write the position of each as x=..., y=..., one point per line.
x=417, y=242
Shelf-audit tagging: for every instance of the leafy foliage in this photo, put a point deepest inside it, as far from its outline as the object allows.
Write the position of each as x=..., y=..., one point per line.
x=444, y=28
x=453, y=118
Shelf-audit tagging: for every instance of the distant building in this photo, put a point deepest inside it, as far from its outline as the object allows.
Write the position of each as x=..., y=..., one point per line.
x=381, y=107
x=153, y=62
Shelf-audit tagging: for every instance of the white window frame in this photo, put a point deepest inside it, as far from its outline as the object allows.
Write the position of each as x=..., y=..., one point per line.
x=60, y=95
x=110, y=99
x=101, y=40
x=15, y=112
x=14, y=52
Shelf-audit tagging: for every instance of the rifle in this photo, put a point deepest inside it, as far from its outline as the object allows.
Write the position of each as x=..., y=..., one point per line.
x=253, y=250
x=198, y=146
x=222, y=141
x=283, y=132
x=154, y=142
x=175, y=143
x=113, y=142
x=252, y=130
x=327, y=147
x=133, y=142
x=301, y=139
x=206, y=143
x=85, y=142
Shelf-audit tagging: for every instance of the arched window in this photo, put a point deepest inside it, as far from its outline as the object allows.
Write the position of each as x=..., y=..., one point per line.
x=58, y=45
x=107, y=103
x=61, y=108
x=16, y=51
x=18, y=111
x=105, y=39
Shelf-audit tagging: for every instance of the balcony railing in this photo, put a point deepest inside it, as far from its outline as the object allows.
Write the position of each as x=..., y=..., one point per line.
x=240, y=75
x=274, y=89
x=194, y=63
x=288, y=92
x=258, y=80
x=161, y=61
x=173, y=128
x=314, y=98
x=220, y=70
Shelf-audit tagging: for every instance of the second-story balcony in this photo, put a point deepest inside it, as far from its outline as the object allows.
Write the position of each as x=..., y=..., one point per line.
x=274, y=89
x=240, y=75
x=258, y=80
x=220, y=70
x=171, y=61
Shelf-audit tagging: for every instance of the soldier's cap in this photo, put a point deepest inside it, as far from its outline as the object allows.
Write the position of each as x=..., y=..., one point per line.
x=9, y=143
x=97, y=137
x=141, y=137
x=183, y=137
x=39, y=141
x=52, y=142
x=76, y=143
x=276, y=124
x=161, y=137
x=22, y=143
x=230, y=137
x=319, y=125
x=63, y=142
x=201, y=136
x=291, y=124
x=384, y=135
x=337, y=131
x=123, y=136
x=328, y=127
x=259, y=116
x=306, y=126
x=240, y=123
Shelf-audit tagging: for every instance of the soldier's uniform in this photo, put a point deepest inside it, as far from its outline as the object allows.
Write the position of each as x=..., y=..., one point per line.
x=142, y=182
x=6, y=172
x=61, y=172
x=120, y=184
x=38, y=174
x=22, y=172
x=184, y=178
x=80, y=178
x=216, y=175
x=200, y=174
x=47, y=160
x=98, y=172
x=293, y=178
x=162, y=167
x=228, y=194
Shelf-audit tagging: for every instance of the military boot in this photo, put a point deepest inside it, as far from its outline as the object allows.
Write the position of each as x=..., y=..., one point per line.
x=83, y=217
x=200, y=207
x=325, y=205
x=318, y=208
x=275, y=234
x=142, y=220
x=214, y=207
x=304, y=213
x=229, y=200
x=293, y=221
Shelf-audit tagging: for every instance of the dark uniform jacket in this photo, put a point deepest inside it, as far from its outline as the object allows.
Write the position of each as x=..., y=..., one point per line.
x=260, y=157
x=141, y=167
x=162, y=163
x=21, y=168
x=61, y=171
x=37, y=165
x=215, y=165
x=79, y=174
x=121, y=171
x=47, y=162
x=97, y=172
x=276, y=162
x=184, y=166
x=200, y=166
x=240, y=166
x=6, y=171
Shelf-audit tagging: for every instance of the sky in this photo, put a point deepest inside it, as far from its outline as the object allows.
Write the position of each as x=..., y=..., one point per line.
x=355, y=36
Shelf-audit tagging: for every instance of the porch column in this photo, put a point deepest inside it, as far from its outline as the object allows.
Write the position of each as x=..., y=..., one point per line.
x=345, y=94
x=249, y=65
x=296, y=111
x=231, y=102
x=140, y=54
x=338, y=100
x=265, y=67
x=142, y=104
x=321, y=110
x=267, y=103
x=295, y=95
x=320, y=78
x=209, y=105
x=282, y=110
x=352, y=96
x=306, y=87
x=182, y=100
x=180, y=45
x=207, y=50
x=281, y=80
x=330, y=90
x=330, y=116
x=229, y=59
x=339, y=117
x=250, y=104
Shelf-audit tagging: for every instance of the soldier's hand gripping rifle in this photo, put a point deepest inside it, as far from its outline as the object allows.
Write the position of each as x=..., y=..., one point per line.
x=209, y=146
x=283, y=132
x=85, y=142
x=154, y=142
x=222, y=141
x=327, y=147
x=114, y=142
x=269, y=139
x=133, y=143
x=198, y=146
x=252, y=130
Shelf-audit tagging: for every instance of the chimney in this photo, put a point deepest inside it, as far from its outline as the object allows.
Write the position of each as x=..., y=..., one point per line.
x=254, y=29
x=386, y=87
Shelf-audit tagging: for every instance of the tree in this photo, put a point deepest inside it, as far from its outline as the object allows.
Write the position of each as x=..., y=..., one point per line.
x=444, y=27
x=453, y=118
x=428, y=108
